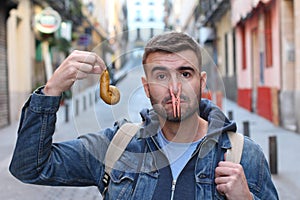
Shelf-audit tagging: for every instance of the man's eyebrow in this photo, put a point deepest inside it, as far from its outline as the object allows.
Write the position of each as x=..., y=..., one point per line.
x=158, y=68
x=183, y=68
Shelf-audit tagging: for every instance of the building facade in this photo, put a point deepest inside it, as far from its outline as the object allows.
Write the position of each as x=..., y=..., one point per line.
x=269, y=59
x=217, y=34
x=5, y=7
x=258, y=56
x=145, y=19
x=290, y=62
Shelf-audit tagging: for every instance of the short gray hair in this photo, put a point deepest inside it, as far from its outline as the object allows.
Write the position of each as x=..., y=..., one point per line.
x=172, y=42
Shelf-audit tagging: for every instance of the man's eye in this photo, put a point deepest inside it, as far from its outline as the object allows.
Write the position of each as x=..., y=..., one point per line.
x=161, y=76
x=185, y=74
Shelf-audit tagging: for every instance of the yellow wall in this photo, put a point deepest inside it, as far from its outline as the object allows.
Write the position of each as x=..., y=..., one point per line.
x=20, y=50
x=224, y=27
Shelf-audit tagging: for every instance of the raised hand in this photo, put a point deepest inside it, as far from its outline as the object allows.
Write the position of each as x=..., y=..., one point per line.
x=75, y=67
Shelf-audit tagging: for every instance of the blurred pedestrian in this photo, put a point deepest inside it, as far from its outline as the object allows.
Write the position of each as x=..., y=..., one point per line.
x=179, y=152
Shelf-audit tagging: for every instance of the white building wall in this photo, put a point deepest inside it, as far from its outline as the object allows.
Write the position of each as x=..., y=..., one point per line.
x=144, y=15
x=182, y=12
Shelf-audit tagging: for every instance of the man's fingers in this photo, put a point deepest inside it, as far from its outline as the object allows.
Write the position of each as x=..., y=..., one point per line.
x=81, y=75
x=226, y=164
x=86, y=68
x=90, y=63
x=100, y=63
x=222, y=189
x=85, y=57
x=89, y=69
x=97, y=69
x=99, y=66
x=228, y=168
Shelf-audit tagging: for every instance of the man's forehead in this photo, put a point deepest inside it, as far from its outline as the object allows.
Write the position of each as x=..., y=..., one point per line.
x=178, y=59
x=184, y=56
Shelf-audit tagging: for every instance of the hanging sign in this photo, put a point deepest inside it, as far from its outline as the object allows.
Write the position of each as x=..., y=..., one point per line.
x=47, y=21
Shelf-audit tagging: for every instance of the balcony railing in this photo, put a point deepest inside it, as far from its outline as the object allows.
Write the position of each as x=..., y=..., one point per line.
x=212, y=10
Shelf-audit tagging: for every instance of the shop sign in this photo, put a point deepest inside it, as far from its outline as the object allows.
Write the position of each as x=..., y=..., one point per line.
x=47, y=21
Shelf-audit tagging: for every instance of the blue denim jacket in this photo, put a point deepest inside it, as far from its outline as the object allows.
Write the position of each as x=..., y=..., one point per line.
x=79, y=162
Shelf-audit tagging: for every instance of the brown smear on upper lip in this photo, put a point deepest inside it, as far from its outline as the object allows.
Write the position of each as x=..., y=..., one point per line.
x=176, y=101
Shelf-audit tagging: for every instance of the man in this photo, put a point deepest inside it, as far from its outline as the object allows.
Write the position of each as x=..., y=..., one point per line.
x=178, y=153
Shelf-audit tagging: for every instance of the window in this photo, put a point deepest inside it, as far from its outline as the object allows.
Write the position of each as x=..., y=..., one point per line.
x=226, y=54
x=268, y=38
x=138, y=16
x=243, y=35
x=234, y=52
x=151, y=16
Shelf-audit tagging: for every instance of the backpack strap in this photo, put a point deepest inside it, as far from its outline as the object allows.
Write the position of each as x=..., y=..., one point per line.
x=118, y=144
x=237, y=143
x=116, y=147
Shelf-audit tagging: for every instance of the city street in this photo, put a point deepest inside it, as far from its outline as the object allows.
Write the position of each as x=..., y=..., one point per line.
x=99, y=115
x=249, y=50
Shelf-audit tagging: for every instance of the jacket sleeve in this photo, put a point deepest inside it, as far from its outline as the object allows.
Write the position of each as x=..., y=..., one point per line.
x=257, y=172
x=37, y=160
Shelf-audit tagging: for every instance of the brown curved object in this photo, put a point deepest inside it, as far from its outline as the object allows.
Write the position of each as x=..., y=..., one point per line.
x=109, y=93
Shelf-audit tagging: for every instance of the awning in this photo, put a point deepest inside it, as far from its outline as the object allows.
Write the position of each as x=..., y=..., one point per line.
x=241, y=8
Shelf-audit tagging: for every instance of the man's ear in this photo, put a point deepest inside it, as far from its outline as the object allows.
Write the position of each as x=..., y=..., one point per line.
x=146, y=86
x=203, y=78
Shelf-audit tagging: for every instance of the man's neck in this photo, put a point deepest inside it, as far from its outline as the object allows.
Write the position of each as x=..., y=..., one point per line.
x=189, y=130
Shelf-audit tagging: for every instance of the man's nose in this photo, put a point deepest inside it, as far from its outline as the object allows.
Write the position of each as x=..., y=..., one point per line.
x=175, y=87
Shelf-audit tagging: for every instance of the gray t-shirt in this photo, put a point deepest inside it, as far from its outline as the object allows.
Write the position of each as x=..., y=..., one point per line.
x=178, y=154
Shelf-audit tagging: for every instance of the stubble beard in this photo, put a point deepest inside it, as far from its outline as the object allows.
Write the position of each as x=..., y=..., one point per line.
x=168, y=115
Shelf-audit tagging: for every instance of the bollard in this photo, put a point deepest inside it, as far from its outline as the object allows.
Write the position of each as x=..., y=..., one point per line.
x=84, y=102
x=76, y=107
x=67, y=112
x=273, y=154
x=246, y=128
x=90, y=98
x=230, y=115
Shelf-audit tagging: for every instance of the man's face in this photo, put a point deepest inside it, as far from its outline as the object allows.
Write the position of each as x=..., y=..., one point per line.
x=176, y=73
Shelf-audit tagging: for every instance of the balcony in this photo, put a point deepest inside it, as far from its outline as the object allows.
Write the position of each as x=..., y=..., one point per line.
x=213, y=10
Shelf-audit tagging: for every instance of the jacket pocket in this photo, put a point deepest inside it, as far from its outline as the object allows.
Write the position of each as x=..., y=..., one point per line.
x=120, y=185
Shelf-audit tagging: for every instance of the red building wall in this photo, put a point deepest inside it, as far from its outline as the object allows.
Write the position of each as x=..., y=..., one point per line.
x=255, y=78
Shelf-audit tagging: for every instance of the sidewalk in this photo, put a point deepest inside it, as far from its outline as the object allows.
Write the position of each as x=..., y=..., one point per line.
x=288, y=144
x=286, y=181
